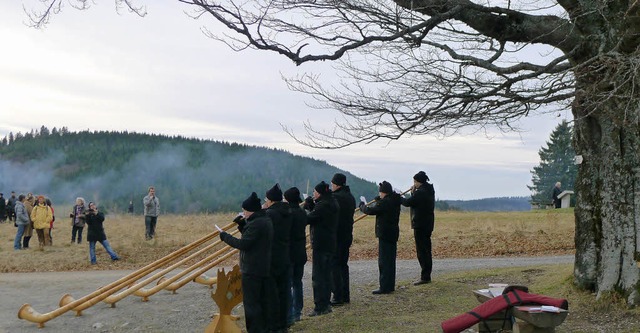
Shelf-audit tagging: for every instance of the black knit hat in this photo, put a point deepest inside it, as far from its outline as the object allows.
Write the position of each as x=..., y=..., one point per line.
x=421, y=177
x=339, y=179
x=385, y=187
x=322, y=188
x=275, y=193
x=292, y=195
x=252, y=203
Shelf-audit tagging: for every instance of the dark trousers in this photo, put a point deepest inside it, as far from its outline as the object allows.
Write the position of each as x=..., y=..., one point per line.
x=340, y=272
x=279, y=300
x=76, y=231
x=321, y=280
x=297, y=295
x=255, y=297
x=387, y=264
x=150, y=226
x=423, y=249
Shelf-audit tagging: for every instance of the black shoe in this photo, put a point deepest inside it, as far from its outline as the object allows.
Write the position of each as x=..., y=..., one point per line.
x=381, y=292
x=419, y=282
x=337, y=303
x=315, y=313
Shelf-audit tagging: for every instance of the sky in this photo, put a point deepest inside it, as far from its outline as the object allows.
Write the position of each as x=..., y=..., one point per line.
x=106, y=70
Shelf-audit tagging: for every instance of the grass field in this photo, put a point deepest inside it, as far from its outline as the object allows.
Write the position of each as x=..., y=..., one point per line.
x=409, y=309
x=457, y=234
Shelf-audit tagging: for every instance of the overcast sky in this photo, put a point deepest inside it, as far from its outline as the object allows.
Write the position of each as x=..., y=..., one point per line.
x=100, y=70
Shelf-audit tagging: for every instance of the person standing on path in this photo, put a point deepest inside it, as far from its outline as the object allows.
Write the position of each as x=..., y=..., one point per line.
x=323, y=221
x=344, y=238
x=280, y=298
x=386, y=208
x=298, y=252
x=151, y=210
x=255, y=262
x=422, y=206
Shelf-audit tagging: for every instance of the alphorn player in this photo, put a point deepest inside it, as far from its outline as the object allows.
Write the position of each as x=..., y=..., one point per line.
x=255, y=261
x=347, y=205
x=298, y=251
x=280, y=299
x=323, y=221
x=386, y=208
x=422, y=204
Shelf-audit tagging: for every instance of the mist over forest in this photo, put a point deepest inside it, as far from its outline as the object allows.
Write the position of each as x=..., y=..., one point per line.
x=190, y=175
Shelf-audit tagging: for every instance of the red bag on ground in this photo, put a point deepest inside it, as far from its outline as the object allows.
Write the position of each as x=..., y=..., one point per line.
x=495, y=305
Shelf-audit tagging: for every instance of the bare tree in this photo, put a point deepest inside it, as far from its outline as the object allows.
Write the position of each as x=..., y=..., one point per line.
x=434, y=67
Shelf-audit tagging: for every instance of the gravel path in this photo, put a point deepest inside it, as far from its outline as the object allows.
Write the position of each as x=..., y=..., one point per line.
x=190, y=309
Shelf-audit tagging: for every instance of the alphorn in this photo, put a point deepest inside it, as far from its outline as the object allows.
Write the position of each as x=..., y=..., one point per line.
x=67, y=303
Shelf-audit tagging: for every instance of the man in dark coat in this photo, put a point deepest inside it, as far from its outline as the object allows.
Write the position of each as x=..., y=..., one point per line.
x=255, y=262
x=280, y=299
x=422, y=204
x=557, y=203
x=347, y=206
x=11, y=206
x=3, y=208
x=323, y=219
x=298, y=251
x=386, y=208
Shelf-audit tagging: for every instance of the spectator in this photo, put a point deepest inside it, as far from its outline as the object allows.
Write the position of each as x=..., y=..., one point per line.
x=554, y=196
x=41, y=217
x=53, y=219
x=151, y=211
x=11, y=204
x=29, y=203
x=130, y=207
x=95, y=233
x=3, y=208
x=77, y=220
x=22, y=220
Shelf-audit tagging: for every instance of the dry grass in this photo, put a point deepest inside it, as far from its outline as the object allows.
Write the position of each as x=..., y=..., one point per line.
x=457, y=234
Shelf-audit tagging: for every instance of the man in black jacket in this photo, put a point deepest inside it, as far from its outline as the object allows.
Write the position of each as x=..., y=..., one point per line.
x=280, y=298
x=323, y=219
x=298, y=251
x=347, y=206
x=387, y=211
x=255, y=262
x=422, y=204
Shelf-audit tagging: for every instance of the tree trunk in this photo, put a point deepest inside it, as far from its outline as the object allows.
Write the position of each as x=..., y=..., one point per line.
x=608, y=189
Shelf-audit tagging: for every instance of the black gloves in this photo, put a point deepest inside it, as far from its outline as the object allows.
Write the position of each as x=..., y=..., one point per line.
x=224, y=236
x=309, y=204
x=377, y=198
x=239, y=219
